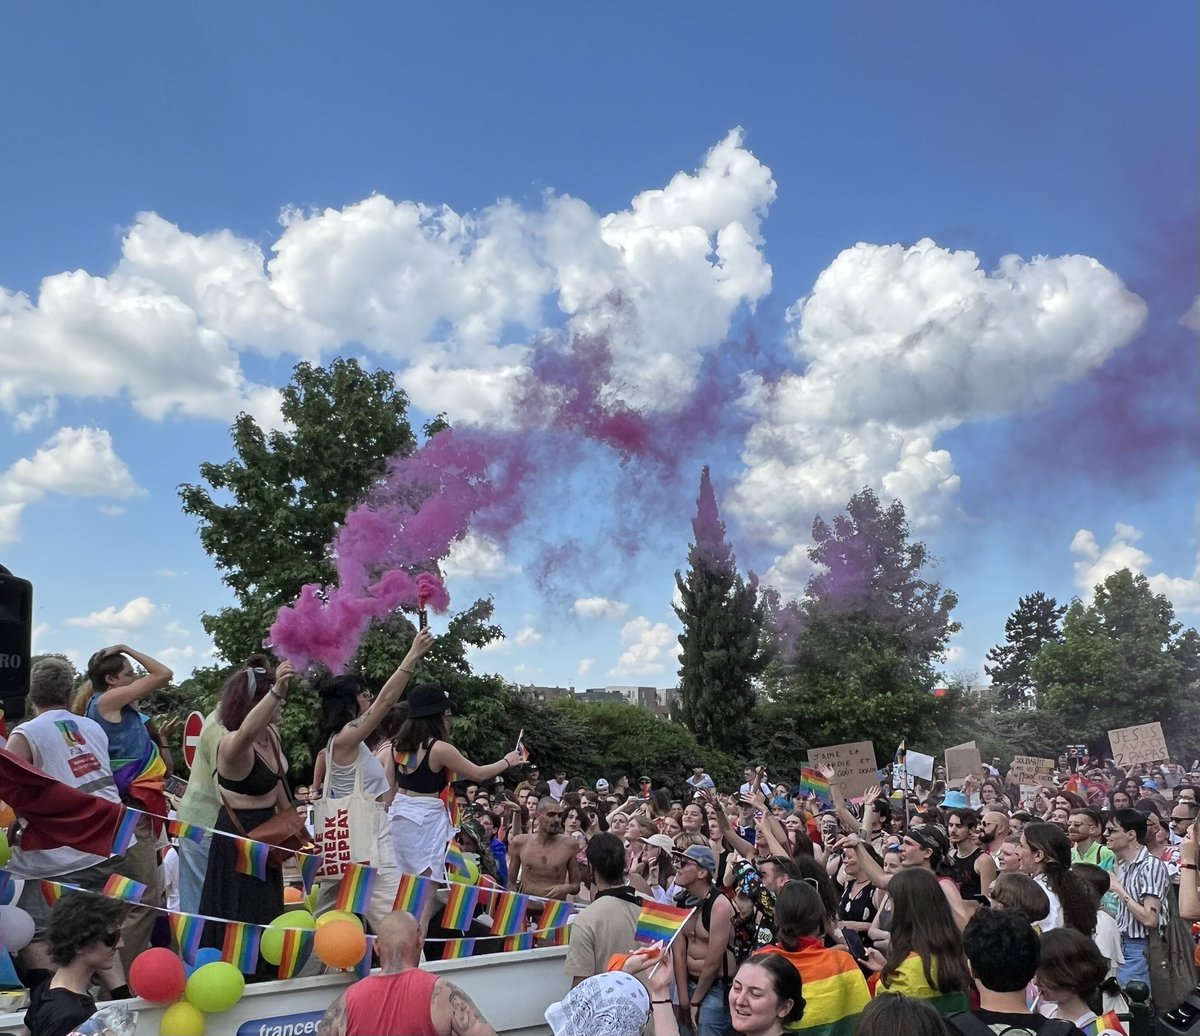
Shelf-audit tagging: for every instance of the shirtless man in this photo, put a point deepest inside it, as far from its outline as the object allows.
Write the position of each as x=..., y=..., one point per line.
x=705, y=966
x=545, y=861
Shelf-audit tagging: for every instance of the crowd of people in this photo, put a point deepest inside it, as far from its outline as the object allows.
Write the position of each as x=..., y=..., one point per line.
x=919, y=908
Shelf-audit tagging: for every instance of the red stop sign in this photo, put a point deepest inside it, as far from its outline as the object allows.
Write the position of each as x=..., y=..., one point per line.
x=191, y=736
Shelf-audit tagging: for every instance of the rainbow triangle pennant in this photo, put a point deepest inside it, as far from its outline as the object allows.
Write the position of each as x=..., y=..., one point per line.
x=659, y=921
x=309, y=864
x=414, y=894
x=123, y=837
x=187, y=929
x=523, y=941
x=252, y=858
x=240, y=947
x=508, y=915
x=554, y=914
x=460, y=906
x=120, y=887
x=354, y=893
x=182, y=829
x=455, y=948
x=297, y=948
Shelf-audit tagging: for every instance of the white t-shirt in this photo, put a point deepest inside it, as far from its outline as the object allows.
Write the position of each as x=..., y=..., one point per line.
x=1054, y=919
x=170, y=878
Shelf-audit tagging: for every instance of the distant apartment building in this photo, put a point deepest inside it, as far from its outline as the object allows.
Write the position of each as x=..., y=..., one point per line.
x=652, y=699
x=544, y=694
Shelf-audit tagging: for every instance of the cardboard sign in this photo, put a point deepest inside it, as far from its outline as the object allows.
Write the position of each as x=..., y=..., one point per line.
x=1141, y=744
x=920, y=765
x=853, y=763
x=962, y=761
x=1030, y=769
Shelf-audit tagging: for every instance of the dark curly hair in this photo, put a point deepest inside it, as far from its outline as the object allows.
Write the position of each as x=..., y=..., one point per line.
x=1003, y=949
x=1079, y=902
x=339, y=705
x=78, y=920
x=891, y=1013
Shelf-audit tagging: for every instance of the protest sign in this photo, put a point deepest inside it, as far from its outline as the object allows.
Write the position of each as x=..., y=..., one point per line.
x=1141, y=744
x=919, y=765
x=853, y=763
x=962, y=761
x=1030, y=769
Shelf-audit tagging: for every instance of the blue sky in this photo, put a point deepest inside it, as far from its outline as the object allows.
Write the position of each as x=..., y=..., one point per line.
x=840, y=186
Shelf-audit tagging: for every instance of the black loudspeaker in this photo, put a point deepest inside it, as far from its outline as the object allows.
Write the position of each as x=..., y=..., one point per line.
x=16, y=632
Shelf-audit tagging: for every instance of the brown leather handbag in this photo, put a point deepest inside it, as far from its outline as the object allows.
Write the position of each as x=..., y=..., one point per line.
x=284, y=832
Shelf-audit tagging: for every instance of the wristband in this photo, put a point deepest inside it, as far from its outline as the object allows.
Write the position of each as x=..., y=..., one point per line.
x=403, y=669
x=660, y=1001
x=1188, y=867
x=276, y=694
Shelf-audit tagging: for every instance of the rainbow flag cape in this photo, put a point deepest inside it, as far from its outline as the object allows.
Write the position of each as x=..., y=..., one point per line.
x=241, y=946
x=1108, y=1022
x=659, y=921
x=835, y=992
x=363, y=968
x=297, y=947
x=124, y=888
x=813, y=782
x=455, y=948
x=51, y=892
x=182, y=829
x=554, y=914
x=460, y=906
x=187, y=929
x=144, y=779
x=252, y=858
x=524, y=941
x=508, y=913
x=414, y=894
x=354, y=893
x=309, y=864
x=123, y=837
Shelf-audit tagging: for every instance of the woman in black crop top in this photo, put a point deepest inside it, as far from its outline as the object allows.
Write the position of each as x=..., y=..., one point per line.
x=421, y=757
x=251, y=785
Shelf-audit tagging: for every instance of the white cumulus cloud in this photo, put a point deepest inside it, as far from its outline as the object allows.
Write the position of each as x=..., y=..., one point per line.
x=599, y=608
x=72, y=462
x=130, y=615
x=527, y=636
x=790, y=571
x=477, y=557
x=649, y=648
x=585, y=664
x=1097, y=563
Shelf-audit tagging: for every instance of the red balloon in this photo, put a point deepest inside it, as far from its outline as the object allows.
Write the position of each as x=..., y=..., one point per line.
x=157, y=975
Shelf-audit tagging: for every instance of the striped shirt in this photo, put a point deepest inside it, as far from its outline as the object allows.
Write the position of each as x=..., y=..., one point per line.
x=1143, y=876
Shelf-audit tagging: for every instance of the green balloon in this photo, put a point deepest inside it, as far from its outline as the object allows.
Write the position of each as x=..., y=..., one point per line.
x=215, y=987
x=271, y=945
x=5, y=849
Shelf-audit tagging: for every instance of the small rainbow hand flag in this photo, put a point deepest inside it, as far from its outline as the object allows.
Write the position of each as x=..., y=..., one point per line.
x=1108, y=1022
x=523, y=941
x=241, y=946
x=354, y=893
x=813, y=782
x=456, y=863
x=414, y=894
x=554, y=914
x=182, y=829
x=51, y=892
x=309, y=864
x=659, y=921
x=123, y=837
x=120, y=887
x=455, y=948
x=297, y=947
x=450, y=802
x=460, y=906
x=252, y=858
x=508, y=913
x=557, y=936
x=187, y=929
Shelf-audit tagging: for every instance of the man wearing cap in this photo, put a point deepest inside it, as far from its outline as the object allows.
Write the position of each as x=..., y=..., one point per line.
x=645, y=785
x=601, y=787
x=545, y=861
x=704, y=965
x=607, y=925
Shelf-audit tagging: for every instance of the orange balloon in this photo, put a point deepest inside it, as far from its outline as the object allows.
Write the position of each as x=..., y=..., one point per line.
x=292, y=894
x=7, y=816
x=340, y=944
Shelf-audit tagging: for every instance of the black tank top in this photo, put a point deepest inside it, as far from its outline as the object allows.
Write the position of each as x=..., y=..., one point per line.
x=421, y=779
x=261, y=780
x=962, y=871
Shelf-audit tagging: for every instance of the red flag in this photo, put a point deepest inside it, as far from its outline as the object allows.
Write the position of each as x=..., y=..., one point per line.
x=57, y=815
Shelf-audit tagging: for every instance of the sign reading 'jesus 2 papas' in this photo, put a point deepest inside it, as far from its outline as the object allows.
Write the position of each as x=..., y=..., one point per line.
x=1141, y=744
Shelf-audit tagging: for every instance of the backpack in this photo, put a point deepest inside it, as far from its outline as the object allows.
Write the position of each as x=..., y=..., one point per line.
x=970, y=1024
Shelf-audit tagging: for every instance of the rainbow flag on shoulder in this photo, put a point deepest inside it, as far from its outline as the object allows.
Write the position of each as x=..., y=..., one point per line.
x=1108, y=1022
x=659, y=921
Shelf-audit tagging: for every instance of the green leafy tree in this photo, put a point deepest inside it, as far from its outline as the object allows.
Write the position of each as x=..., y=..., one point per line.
x=721, y=652
x=267, y=516
x=1122, y=661
x=1036, y=621
x=871, y=631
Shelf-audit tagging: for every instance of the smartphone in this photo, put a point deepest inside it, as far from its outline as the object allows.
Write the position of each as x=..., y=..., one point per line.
x=422, y=619
x=175, y=786
x=854, y=944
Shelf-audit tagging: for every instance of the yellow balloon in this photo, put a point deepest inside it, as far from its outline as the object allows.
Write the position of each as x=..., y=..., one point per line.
x=339, y=915
x=181, y=1019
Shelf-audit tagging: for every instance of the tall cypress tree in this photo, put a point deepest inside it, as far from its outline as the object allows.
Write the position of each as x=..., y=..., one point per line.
x=722, y=616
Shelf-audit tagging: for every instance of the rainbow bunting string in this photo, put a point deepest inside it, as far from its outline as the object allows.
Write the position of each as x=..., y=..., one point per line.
x=509, y=917
x=414, y=894
x=455, y=948
x=456, y=863
x=252, y=858
x=659, y=921
x=182, y=829
x=51, y=892
x=363, y=968
x=187, y=929
x=309, y=864
x=558, y=936
x=460, y=906
x=523, y=941
x=120, y=887
x=354, y=893
x=297, y=947
x=123, y=838
x=240, y=947
x=554, y=914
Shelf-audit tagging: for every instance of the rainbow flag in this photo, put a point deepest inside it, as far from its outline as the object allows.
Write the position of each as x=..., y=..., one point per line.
x=659, y=921
x=455, y=948
x=451, y=804
x=557, y=936
x=835, y=992
x=5, y=881
x=1108, y=1022
x=813, y=782
x=460, y=906
x=252, y=858
x=508, y=915
x=554, y=914
x=51, y=892
x=309, y=864
x=363, y=968
x=354, y=893
x=297, y=947
x=241, y=946
x=524, y=941
x=187, y=929
x=123, y=837
x=414, y=894
x=124, y=888
x=456, y=863
x=182, y=829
